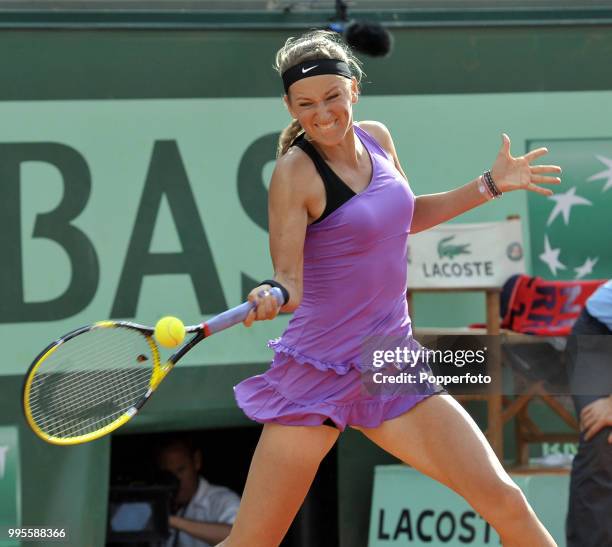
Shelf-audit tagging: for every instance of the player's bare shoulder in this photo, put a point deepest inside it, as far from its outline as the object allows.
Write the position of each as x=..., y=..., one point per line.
x=294, y=178
x=379, y=131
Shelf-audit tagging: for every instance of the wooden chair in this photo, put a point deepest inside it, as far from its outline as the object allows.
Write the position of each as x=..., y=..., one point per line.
x=532, y=310
x=537, y=310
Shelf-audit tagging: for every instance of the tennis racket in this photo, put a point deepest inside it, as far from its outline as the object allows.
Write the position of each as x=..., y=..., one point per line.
x=94, y=379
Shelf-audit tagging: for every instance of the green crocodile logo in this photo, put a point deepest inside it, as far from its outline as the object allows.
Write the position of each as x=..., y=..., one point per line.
x=451, y=251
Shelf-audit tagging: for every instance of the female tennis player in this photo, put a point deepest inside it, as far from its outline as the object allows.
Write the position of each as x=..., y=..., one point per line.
x=340, y=211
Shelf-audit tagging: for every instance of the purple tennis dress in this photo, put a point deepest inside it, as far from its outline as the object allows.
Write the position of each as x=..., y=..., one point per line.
x=354, y=292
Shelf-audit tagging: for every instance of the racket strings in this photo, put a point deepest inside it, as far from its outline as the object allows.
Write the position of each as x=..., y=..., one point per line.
x=72, y=379
x=78, y=403
x=78, y=426
x=72, y=417
x=65, y=401
x=90, y=381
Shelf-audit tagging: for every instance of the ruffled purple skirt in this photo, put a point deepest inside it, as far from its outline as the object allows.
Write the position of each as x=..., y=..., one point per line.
x=297, y=393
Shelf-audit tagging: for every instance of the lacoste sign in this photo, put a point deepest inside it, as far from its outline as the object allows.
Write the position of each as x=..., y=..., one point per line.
x=466, y=255
x=447, y=249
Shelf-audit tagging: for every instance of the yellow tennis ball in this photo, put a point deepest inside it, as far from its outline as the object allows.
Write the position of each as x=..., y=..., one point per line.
x=169, y=331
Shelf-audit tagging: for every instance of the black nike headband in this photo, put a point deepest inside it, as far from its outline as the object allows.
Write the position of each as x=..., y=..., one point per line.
x=315, y=67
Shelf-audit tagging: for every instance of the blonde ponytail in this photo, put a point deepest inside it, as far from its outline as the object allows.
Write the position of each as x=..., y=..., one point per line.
x=287, y=136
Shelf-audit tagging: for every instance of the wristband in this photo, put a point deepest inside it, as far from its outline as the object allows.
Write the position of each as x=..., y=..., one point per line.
x=276, y=284
x=483, y=189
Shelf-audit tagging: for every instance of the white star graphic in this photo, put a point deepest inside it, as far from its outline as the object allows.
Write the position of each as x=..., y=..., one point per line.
x=551, y=257
x=605, y=174
x=586, y=268
x=564, y=203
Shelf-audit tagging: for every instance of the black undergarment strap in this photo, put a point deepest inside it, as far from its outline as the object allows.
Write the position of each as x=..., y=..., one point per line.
x=336, y=190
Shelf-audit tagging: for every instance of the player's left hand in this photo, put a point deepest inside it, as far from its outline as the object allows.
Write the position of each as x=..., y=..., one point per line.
x=595, y=417
x=510, y=173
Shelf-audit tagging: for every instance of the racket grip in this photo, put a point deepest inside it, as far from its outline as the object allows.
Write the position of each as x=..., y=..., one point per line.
x=236, y=315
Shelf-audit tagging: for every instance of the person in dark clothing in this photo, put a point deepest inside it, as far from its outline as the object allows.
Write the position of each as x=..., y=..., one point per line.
x=589, y=520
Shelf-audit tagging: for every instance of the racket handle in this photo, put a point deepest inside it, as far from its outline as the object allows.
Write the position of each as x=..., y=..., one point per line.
x=237, y=315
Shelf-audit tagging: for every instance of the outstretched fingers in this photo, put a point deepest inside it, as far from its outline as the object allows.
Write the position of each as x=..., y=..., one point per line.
x=539, y=190
x=540, y=179
x=535, y=154
x=545, y=168
x=537, y=178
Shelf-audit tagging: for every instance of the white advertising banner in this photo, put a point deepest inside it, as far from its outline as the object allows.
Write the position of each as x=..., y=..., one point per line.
x=410, y=509
x=481, y=254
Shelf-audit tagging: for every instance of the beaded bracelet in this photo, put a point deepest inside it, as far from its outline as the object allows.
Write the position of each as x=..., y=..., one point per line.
x=491, y=186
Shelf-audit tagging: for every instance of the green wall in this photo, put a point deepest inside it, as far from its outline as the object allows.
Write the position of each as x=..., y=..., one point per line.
x=160, y=205
x=198, y=111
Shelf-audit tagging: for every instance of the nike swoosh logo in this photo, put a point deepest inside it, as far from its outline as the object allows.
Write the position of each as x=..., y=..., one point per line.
x=305, y=70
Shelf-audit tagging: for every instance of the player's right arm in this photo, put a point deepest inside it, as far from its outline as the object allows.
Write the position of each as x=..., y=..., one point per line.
x=293, y=197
